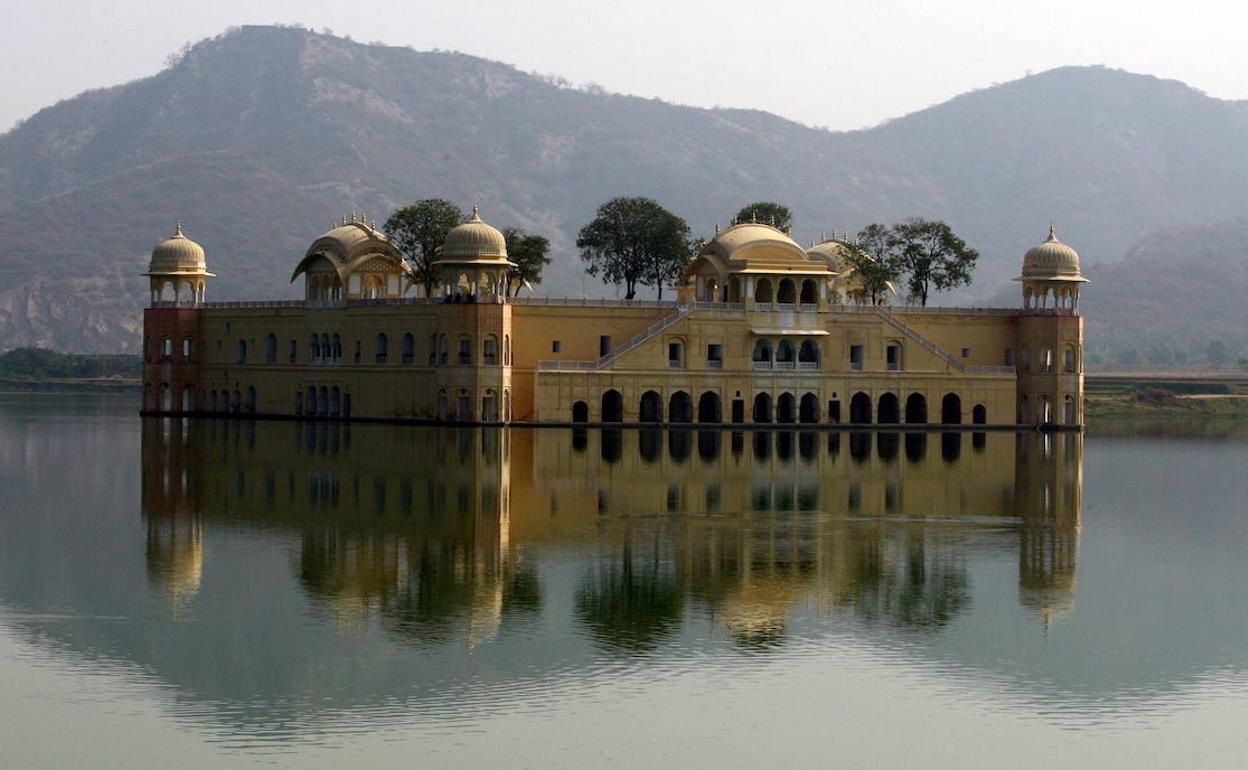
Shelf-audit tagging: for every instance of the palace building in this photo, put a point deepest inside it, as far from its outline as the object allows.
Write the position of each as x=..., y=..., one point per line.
x=762, y=332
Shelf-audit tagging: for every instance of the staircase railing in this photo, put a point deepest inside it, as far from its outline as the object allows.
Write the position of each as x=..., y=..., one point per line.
x=650, y=332
x=909, y=331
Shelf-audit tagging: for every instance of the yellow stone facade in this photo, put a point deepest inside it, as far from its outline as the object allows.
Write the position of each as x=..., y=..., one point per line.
x=762, y=332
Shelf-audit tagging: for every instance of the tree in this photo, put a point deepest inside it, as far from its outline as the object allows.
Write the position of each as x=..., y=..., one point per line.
x=529, y=252
x=876, y=272
x=635, y=241
x=771, y=213
x=932, y=256
x=418, y=230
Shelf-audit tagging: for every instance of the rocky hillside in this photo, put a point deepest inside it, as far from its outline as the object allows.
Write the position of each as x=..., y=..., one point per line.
x=258, y=139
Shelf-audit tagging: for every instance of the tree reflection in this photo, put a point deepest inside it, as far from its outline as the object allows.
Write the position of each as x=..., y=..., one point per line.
x=630, y=603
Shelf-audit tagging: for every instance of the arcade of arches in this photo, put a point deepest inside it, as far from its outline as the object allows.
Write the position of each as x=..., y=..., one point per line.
x=780, y=408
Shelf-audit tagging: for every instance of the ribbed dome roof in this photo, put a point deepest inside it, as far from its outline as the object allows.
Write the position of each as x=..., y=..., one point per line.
x=178, y=254
x=1051, y=259
x=831, y=251
x=474, y=239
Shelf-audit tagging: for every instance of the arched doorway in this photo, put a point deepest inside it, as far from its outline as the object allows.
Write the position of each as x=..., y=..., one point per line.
x=889, y=412
x=762, y=408
x=651, y=407
x=612, y=406
x=787, y=293
x=916, y=408
x=709, y=409
x=335, y=402
x=680, y=407
x=580, y=412
x=808, y=409
x=1068, y=411
x=860, y=408
x=786, y=408
x=951, y=409
x=979, y=415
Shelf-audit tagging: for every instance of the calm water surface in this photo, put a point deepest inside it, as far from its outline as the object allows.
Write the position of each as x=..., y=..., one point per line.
x=215, y=593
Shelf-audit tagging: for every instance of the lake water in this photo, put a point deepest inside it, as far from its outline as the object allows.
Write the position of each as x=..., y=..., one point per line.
x=210, y=593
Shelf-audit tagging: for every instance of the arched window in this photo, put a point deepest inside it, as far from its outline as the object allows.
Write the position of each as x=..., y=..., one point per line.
x=443, y=350
x=762, y=408
x=787, y=294
x=311, y=402
x=709, y=409
x=979, y=415
x=951, y=409
x=186, y=349
x=580, y=412
x=507, y=350
x=786, y=408
x=166, y=349
x=314, y=348
x=860, y=408
x=1046, y=359
x=680, y=407
x=1068, y=411
x=409, y=348
x=762, y=352
x=433, y=348
x=784, y=352
x=337, y=349
x=808, y=355
x=251, y=399
x=465, y=351
x=651, y=407
x=327, y=351
x=916, y=408
x=762, y=290
x=335, y=402
x=810, y=295
x=382, y=348
x=612, y=406
x=242, y=351
x=298, y=403
x=1068, y=359
x=489, y=351
x=808, y=409
x=889, y=411
x=270, y=348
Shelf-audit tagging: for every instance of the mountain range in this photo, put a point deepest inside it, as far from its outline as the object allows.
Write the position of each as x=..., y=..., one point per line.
x=261, y=138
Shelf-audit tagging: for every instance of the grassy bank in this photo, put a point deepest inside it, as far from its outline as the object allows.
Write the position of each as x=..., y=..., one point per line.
x=37, y=369
x=1157, y=403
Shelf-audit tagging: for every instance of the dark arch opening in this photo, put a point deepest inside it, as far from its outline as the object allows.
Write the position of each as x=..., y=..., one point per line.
x=762, y=290
x=808, y=410
x=979, y=415
x=951, y=409
x=787, y=294
x=889, y=412
x=808, y=292
x=916, y=408
x=786, y=408
x=709, y=409
x=762, y=407
x=860, y=408
x=651, y=407
x=580, y=412
x=680, y=407
x=612, y=406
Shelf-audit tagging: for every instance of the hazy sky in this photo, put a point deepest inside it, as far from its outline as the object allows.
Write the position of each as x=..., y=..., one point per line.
x=831, y=63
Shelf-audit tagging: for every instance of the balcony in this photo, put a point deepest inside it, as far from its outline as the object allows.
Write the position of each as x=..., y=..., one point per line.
x=762, y=366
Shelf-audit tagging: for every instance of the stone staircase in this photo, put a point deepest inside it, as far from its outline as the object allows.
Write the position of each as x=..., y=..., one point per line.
x=909, y=332
x=652, y=331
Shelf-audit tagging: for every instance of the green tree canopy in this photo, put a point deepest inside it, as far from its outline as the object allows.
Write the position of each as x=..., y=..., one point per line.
x=768, y=213
x=529, y=252
x=635, y=241
x=932, y=256
x=418, y=230
x=873, y=256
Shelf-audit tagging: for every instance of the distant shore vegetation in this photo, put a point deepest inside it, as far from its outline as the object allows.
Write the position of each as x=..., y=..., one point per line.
x=43, y=365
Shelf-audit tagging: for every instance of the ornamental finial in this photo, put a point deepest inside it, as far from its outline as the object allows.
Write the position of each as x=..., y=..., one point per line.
x=476, y=213
x=1052, y=232
x=177, y=230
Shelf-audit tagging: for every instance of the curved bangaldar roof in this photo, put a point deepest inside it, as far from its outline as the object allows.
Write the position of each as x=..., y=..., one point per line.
x=350, y=244
x=757, y=248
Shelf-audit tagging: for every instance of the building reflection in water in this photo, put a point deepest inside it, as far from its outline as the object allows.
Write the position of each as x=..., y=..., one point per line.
x=438, y=535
